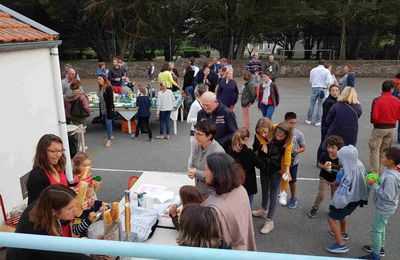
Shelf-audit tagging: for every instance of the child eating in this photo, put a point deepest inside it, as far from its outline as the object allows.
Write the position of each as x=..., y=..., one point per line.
x=81, y=224
x=189, y=195
x=329, y=165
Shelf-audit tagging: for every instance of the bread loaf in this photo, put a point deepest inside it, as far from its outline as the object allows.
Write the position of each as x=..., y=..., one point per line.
x=127, y=218
x=115, y=211
x=80, y=197
x=107, y=221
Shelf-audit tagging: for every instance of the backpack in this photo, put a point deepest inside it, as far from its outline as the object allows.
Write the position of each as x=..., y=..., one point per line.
x=77, y=109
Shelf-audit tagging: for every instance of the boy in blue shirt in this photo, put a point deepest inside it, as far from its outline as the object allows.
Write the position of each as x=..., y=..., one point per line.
x=386, y=199
x=144, y=104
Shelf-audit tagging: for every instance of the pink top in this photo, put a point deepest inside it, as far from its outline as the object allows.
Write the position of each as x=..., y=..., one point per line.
x=63, y=179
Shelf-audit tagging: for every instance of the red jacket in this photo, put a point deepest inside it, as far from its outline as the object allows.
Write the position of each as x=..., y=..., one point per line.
x=385, y=111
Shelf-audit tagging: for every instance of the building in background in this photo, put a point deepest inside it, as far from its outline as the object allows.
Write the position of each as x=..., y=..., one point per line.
x=31, y=104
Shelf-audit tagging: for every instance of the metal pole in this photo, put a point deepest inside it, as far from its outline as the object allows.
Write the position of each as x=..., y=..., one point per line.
x=55, y=63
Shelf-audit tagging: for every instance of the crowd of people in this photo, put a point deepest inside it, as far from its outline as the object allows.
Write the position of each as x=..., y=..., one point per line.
x=217, y=211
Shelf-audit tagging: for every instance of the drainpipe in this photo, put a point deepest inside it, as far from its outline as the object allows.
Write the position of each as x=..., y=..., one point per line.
x=55, y=64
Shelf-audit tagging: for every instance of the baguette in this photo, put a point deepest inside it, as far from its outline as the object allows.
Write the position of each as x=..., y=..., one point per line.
x=85, y=172
x=128, y=219
x=115, y=211
x=80, y=197
x=107, y=221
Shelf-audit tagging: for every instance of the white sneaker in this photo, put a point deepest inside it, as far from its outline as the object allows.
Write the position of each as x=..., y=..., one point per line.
x=268, y=227
x=308, y=122
x=318, y=124
x=259, y=213
x=282, y=198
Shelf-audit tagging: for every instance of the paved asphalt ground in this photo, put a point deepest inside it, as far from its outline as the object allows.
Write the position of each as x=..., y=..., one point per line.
x=294, y=231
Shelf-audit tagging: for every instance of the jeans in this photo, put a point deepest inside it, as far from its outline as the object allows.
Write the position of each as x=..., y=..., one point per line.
x=267, y=110
x=251, y=197
x=164, y=122
x=380, y=140
x=314, y=98
x=109, y=126
x=270, y=186
x=378, y=231
x=144, y=121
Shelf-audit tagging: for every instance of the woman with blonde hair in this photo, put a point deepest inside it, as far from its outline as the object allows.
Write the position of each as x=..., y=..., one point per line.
x=342, y=118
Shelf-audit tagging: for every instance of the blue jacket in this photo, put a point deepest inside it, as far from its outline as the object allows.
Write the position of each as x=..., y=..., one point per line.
x=144, y=104
x=342, y=120
x=228, y=94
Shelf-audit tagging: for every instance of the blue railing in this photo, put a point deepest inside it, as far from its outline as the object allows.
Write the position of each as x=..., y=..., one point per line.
x=129, y=249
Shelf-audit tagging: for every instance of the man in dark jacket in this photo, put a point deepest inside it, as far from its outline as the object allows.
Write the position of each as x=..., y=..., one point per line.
x=385, y=113
x=272, y=66
x=222, y=116
x=116, y=75
x=215, y=65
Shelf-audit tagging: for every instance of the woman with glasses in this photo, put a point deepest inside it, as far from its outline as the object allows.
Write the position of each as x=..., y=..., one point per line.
x=204, y=133
x=48, y=166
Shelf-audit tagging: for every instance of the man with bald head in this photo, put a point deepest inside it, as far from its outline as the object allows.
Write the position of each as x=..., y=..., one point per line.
x=66, y=82
x=222, y=116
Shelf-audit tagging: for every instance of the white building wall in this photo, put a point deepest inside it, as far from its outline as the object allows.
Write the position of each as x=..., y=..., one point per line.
x=28, y=111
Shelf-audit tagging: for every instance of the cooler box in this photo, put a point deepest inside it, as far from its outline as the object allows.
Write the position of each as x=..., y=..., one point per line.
x=124, y=126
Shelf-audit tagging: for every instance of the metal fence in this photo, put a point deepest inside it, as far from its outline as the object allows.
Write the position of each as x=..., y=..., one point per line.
x=130, y=249
x=297, y=48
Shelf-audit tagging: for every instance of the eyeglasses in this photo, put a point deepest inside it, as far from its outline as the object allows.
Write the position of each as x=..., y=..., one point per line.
x=55, y=152
x=197, y=133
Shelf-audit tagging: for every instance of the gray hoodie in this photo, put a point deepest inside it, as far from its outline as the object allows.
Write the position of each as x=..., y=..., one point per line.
x=386, y=196
x=352, y=187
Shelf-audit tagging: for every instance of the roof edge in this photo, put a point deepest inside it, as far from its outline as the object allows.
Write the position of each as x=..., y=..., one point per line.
x=16, y=46
x=29, y=21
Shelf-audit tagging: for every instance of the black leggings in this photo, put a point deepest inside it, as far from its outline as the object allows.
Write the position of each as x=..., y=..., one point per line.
x=144, y=121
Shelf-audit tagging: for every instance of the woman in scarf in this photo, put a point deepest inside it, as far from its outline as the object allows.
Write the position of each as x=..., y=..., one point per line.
x=268, y=97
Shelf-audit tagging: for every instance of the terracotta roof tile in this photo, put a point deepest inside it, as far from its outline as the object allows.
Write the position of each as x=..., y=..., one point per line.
x=12, y=30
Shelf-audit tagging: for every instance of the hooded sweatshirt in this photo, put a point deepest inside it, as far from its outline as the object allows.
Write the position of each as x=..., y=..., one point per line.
x=352, y=187
x=386, y=196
